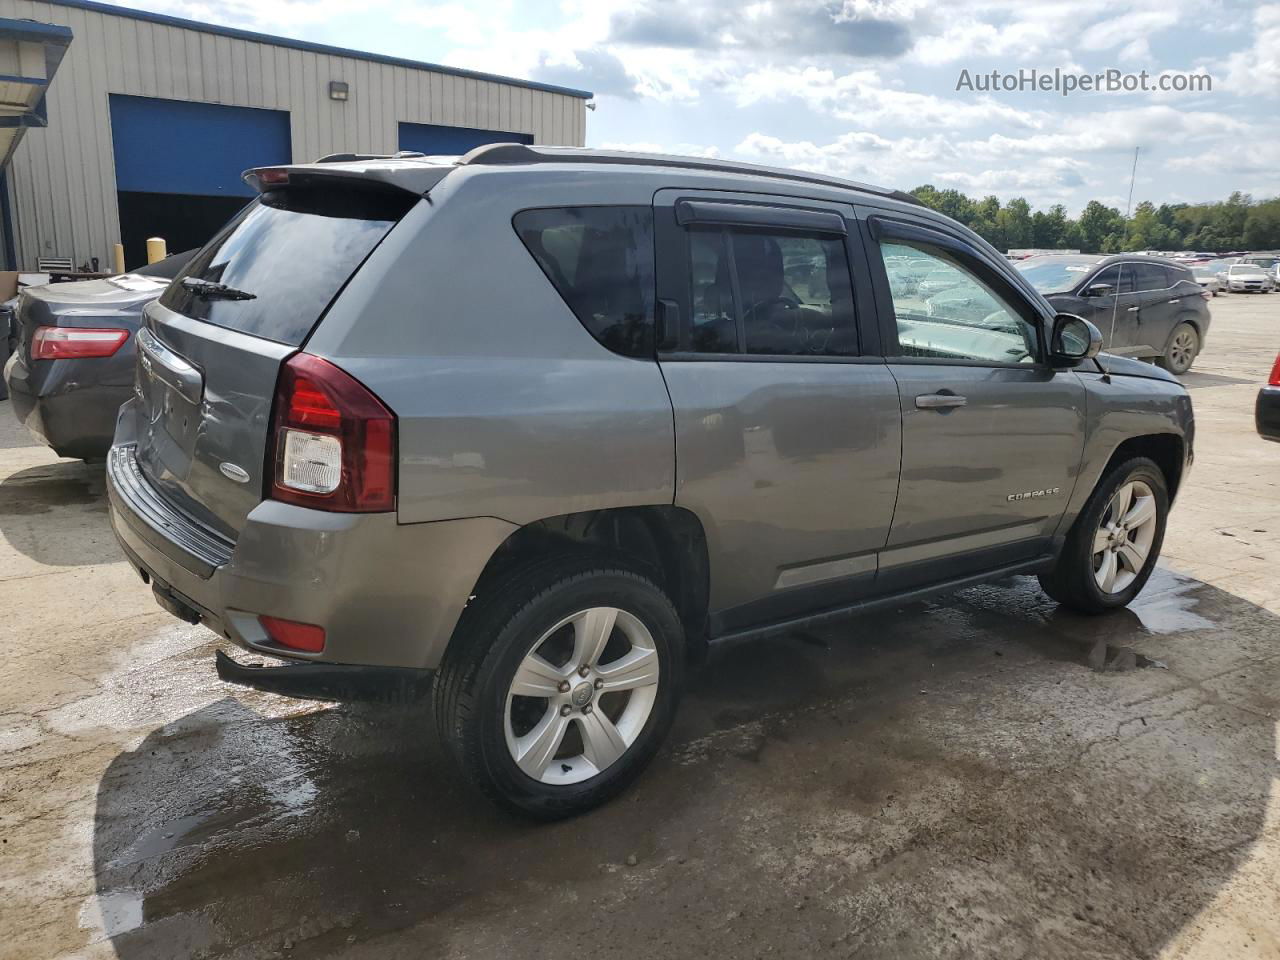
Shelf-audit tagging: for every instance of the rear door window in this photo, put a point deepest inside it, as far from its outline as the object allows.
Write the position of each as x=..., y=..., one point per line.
x=289, y=252
x=1150, y=276
x=600, y=260
x=770, y=293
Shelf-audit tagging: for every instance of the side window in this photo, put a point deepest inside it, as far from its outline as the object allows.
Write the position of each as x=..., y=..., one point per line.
x=771, y=293
x=1109, y=277
x=600, y=260
x=1149, y=276
x=715, y=323
x=950, y=313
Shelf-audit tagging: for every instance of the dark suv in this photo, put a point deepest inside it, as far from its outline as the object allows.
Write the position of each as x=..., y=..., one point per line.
x=1145, y=306
x=549, y=422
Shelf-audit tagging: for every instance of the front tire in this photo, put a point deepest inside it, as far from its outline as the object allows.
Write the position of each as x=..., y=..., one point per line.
x=1183, y=348
x=560, y=685
x=1115, y=542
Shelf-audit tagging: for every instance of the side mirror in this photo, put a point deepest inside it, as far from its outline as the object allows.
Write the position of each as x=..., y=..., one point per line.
x=1099, y=290
x=1074, y=340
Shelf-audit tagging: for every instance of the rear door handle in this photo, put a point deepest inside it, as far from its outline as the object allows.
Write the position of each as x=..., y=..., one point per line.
x=1179, y=300
x=1132, y=310
x=939, y=401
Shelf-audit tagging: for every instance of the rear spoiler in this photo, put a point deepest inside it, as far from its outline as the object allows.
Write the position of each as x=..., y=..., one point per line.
x=414, y=175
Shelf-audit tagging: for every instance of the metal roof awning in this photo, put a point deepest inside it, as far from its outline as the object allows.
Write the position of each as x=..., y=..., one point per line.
x=29, y=56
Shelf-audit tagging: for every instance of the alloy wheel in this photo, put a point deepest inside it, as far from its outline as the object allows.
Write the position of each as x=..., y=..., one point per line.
x=1182, y=351
x=581, y=696
x=1122, y=543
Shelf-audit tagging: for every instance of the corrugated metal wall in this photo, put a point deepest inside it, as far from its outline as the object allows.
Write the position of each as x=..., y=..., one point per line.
x=62, y=179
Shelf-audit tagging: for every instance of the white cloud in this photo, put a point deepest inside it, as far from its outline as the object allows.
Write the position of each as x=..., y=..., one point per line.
x=1255, y=71
x=861, y=97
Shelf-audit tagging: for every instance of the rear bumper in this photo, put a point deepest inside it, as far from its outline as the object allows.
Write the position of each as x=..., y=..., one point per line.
x=1266, y=413
x=63, y=411
x=386, y=594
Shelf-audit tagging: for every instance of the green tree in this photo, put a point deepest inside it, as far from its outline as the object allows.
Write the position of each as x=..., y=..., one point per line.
x=1097, y=224
x=1014, y=222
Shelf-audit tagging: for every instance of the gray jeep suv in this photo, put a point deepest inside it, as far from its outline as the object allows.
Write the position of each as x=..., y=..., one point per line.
x=548, y=422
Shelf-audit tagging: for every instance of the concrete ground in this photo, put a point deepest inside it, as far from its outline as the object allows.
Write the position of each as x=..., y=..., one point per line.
x=947, y=779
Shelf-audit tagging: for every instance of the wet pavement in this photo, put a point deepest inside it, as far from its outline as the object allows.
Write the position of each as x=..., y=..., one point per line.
x=982, y=776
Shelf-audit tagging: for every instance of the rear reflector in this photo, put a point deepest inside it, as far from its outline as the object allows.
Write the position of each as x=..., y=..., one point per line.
x=296, y=636
x=1275, y=374
x=70, y=343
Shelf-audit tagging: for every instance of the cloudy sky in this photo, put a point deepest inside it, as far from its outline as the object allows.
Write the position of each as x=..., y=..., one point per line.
x=866, y=88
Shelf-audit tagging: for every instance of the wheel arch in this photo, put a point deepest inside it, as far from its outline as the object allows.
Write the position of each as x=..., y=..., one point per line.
x=1189, y=317
x=1168, y=450
x=667, y=543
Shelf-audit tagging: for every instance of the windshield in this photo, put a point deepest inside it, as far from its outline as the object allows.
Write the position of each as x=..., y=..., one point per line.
x=289, y=253
x=1056, y=274
x=1246, y=268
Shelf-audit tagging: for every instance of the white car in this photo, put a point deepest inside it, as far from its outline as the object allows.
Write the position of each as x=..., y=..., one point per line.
x=1246, y=278
x=1208, y=281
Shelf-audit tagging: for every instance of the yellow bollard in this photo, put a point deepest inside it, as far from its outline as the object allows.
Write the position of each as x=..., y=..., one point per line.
x=156, y=249
x=119, y=257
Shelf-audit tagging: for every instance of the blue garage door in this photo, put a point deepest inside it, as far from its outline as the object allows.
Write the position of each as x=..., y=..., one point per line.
x=200, y=149
x=430, y=138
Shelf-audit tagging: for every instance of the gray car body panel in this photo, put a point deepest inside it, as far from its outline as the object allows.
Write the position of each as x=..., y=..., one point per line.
x=478, y=391
x=509, y=412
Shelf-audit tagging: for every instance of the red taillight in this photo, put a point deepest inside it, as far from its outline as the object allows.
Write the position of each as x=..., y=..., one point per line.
x=1206, y=294
x=296, y=636
x=273, y=178
x=71, y=343
x=1275, y=373
x=334, y=441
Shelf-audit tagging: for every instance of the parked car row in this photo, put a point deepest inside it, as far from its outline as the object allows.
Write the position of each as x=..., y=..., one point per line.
x=1247, y=278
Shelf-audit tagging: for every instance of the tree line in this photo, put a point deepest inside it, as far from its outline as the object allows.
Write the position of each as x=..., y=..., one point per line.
x=1237, y=223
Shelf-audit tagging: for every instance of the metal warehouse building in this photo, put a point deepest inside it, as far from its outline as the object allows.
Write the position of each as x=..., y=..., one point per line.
x=151, y=120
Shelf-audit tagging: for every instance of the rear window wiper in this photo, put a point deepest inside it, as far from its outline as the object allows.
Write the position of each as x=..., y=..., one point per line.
x=209, y=290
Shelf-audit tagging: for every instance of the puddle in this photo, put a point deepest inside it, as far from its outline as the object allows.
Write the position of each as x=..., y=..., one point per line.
x=40, y=493
x=1173, y=611
x=1106, y=658
x=111, y=914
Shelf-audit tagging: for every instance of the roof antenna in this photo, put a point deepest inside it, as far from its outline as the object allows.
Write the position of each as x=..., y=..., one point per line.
x=1128, y=207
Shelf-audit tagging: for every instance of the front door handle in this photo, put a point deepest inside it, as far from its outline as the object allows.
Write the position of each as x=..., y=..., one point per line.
x=939, y=401
x=1179, y=300
x=1132, y=310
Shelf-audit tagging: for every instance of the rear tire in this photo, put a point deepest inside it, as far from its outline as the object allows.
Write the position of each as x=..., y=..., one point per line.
x=1112, y=526
x=607, y=723
x=1183, y=348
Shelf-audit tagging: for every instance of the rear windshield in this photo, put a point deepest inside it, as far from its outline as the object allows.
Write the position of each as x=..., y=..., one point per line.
x=292, y=250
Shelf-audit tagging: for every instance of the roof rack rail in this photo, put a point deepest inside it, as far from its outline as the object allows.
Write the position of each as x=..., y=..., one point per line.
x=357, y=157
x=503, y=154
